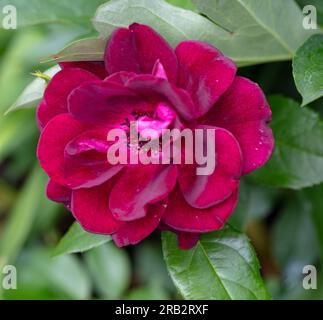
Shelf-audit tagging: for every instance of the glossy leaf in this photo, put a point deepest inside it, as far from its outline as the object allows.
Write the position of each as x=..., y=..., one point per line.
x=297, y=160
x=223, y=265
x=308, y=69
x=78, y=240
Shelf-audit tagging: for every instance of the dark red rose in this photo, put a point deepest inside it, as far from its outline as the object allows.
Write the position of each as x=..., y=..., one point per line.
x=144, y=80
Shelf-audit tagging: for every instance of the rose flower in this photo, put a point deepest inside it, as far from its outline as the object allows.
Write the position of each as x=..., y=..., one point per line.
x=143, y=80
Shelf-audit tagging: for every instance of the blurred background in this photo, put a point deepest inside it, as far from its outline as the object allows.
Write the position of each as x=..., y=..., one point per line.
x=286, y=227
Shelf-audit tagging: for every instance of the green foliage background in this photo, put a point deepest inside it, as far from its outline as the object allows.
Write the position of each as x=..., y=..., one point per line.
x=280, y=207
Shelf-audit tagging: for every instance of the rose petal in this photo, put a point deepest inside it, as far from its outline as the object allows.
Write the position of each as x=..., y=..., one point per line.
x=159, y=71
x=57, y=91
x=95, y=67
x=53, y=139
x=181, y=216
x=150, y=86
x=134, y=231
x=120, y=54
x=106, y=102
x=152, y=47
x=78, y=176
x=72, y=172
x=86, y=162
x=203, y=191
x=58, y=193
x=137, y=49
x=187, y=240
x=90, y=208
x=244, y=111
x=204, y=72
x=41, y=114
x=140, y=186
x=120, y=77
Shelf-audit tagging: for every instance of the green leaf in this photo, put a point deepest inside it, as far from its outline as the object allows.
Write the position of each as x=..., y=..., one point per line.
x=110, y=270
x=241, y=29
x=223, y=265
x=297, y=160
x=308, y=69
x=82, y=50
x=32, y=12
x=185, y=4
x=33, y=93
x=174, y=23
x=249, y=32
x=259, y=24
x=78, y=240
x=259, y=20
